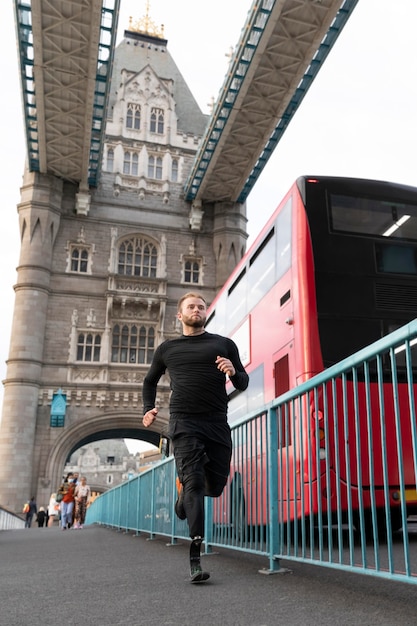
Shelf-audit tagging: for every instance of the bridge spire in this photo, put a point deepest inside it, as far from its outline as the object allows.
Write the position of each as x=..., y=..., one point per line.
x=146, y=26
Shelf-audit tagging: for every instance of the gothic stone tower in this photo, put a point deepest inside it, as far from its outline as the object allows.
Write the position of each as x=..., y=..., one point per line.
x=98, y=282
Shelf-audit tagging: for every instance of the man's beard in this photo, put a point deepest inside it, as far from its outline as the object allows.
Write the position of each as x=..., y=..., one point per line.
x=196, y=323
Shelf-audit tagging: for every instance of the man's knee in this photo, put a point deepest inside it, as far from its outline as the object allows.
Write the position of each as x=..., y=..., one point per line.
x=214, y=486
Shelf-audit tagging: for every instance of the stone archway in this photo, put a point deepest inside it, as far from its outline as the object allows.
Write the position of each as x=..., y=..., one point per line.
x=109, y=426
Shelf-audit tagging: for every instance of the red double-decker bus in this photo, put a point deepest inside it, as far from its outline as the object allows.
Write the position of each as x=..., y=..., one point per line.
x=333, y=270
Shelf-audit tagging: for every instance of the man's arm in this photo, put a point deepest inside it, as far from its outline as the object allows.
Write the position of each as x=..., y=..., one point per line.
x=150, y=384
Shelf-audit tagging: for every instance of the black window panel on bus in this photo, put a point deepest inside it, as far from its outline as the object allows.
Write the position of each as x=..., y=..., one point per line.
x=373, y=216
x=396, y=259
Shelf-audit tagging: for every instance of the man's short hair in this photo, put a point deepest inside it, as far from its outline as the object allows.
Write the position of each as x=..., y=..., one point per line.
x=190, y=294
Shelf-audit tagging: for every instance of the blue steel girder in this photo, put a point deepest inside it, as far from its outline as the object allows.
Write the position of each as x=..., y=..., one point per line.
x=66, y=50
x=282, y=48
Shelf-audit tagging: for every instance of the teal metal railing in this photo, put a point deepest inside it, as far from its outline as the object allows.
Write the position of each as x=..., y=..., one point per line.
x=325, y=474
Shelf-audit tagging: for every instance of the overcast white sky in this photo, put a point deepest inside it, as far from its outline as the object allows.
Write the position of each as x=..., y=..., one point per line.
x=358, y=119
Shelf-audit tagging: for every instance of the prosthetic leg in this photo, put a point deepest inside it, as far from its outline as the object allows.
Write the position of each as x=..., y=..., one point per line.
x=196, y=572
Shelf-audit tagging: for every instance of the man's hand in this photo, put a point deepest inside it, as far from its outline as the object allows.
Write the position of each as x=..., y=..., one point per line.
x=150, y=417
x=225, y=366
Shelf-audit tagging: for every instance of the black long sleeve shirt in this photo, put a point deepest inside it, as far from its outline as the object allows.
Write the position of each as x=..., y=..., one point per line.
x=197, y=385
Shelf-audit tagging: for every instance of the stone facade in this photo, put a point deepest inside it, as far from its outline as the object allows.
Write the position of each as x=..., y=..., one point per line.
x=100, y=274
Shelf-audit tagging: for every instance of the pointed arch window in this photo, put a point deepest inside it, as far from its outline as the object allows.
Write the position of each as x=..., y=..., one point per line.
x=110, y=160
x=132, y=344
x=137, y=257
x=133, y=115
x=126, y=163
x=135, y=164
x=155, y=167
x=157, y=120
x=131, y=163
x=88, y=347
x=174, y=170
x=80, y=256
x=79, y=259
x=192, y=271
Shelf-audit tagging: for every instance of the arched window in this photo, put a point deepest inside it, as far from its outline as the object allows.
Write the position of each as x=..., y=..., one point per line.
x=155, y=167
x=135, y=162
x=110, y=160
x=79, y=259
x=88, y=347
x=157, y=120
x=132, y=344
x=133, y=116
x=174, y=170
x=137, y=257
x=126, y=163
x=192, y=272
x=131, y=163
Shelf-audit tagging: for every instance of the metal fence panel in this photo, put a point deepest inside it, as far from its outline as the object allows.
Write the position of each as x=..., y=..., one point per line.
x=325, y=474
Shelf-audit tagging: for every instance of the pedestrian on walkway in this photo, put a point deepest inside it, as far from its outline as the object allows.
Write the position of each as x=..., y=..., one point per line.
x=197, y=363
x=40, y=518
x=82, y=496
x=67, y=503
x=31, y=512
x=53, y=510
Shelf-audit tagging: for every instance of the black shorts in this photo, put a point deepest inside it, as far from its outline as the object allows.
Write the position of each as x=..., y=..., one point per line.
x=198, y=443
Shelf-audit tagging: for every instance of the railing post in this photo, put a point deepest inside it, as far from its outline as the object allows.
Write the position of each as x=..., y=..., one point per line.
x=153, y=507
x=174, y=519
x=127, y=488
x=138, y=505
x=273, y=521
x=208, y=524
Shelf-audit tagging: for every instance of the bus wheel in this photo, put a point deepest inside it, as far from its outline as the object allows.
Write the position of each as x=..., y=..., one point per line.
x=237, y=506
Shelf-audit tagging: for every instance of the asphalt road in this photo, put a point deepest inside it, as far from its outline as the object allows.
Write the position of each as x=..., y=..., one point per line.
x=101, y=577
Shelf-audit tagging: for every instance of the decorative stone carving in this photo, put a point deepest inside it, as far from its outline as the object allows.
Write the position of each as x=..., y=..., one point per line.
x=196, y=215
x=82, y=202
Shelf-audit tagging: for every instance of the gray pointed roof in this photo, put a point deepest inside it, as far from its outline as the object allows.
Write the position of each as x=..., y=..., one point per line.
x=138, y=50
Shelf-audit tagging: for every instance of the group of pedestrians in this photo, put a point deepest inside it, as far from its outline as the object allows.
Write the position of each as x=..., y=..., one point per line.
x=74, y=496
x=30, y=510
x=69, y=504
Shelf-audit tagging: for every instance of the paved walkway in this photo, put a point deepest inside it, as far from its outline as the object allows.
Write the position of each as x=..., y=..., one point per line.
x=100, y=577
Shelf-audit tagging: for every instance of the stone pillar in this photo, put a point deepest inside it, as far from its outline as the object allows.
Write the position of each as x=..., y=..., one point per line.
x=39, y=218
x=229, y=238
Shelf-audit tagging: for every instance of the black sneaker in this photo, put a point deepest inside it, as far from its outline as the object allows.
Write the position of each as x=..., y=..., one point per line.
x=198, y=576
x=179, y=504
x=196, y=572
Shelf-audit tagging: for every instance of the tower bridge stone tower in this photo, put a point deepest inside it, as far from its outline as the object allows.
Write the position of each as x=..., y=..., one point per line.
x=100, y=274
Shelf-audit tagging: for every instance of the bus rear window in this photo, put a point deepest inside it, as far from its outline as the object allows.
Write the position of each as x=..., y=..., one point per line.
x=392, y=259
x=373, y=216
